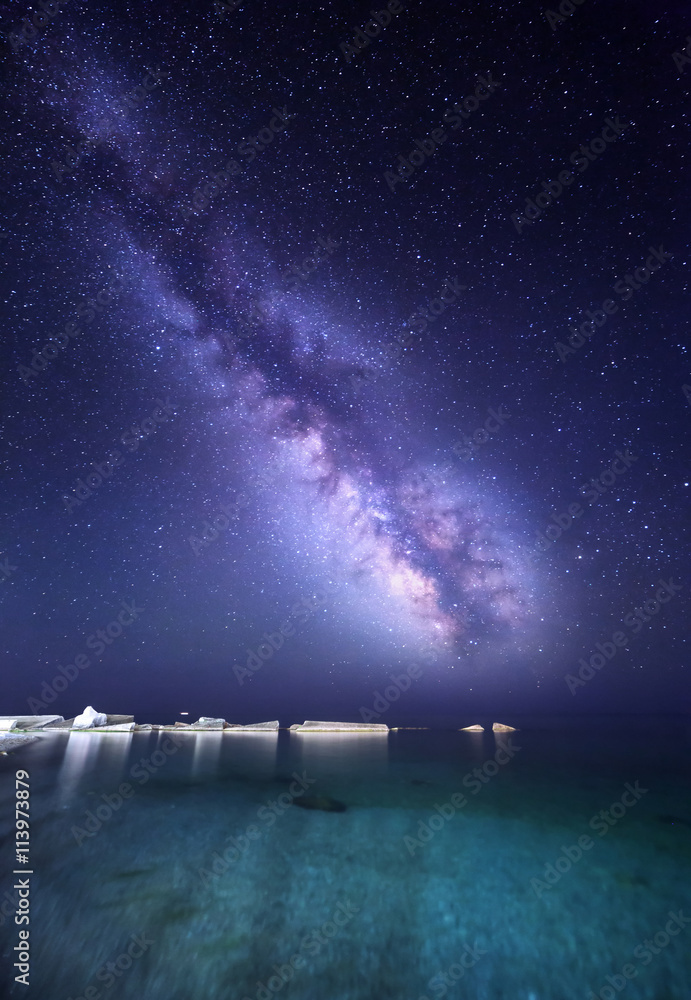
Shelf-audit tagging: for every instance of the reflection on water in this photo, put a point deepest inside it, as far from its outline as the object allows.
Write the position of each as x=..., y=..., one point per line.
x=345, y=754
x=206, y=754
x=211, y=861
x=82, y=750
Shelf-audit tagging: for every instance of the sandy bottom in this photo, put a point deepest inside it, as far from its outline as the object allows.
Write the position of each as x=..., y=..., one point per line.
x=338, y=905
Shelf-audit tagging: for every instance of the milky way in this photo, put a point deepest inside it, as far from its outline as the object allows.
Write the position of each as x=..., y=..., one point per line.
x=325, y=339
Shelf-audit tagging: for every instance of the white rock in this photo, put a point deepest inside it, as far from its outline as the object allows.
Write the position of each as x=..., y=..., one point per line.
x=341, y=727
x=120, y=727
x=257, y=727
x=28, y=721
x=89, y=718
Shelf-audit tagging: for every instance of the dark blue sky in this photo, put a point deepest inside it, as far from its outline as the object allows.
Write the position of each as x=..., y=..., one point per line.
x=293, y=375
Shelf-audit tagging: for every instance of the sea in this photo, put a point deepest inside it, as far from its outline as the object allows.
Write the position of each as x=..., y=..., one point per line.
x=549, y=863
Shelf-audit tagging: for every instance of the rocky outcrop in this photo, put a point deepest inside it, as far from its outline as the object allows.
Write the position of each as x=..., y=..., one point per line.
x=340, y=727
x=499, y=727
x=255, y=727
x=206, y=723
x=122, y=727
x=27, y=722
x=89, y=719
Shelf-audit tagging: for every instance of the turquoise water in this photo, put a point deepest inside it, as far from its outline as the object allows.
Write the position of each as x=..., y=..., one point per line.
x=422, y=870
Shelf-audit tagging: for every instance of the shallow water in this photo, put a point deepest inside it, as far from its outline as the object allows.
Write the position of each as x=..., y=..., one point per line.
x=461, y=908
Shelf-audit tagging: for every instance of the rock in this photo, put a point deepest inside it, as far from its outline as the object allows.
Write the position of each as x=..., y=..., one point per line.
x=673, y=821
x=499, y=727
x=118, y=720
x=25, y=722
x=472, y=729
x=340, y=727
x=60, y=726
x=123, y=727
x=89, y=719
x=322, y=802
x=181, y=725
x=15, y=742
x=206, y=723
x=256, y=727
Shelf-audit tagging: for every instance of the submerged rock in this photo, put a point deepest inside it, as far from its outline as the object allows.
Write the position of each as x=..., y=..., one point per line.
x=475, y=729
x=322, y=802
x=499, y=727
x=674, y=821
x=9, y=743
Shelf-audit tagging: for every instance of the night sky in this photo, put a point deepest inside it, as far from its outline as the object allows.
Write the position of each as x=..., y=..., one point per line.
x=299, y=366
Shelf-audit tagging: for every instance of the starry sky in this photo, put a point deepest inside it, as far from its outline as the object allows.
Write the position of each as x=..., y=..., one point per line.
x=339, y=344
